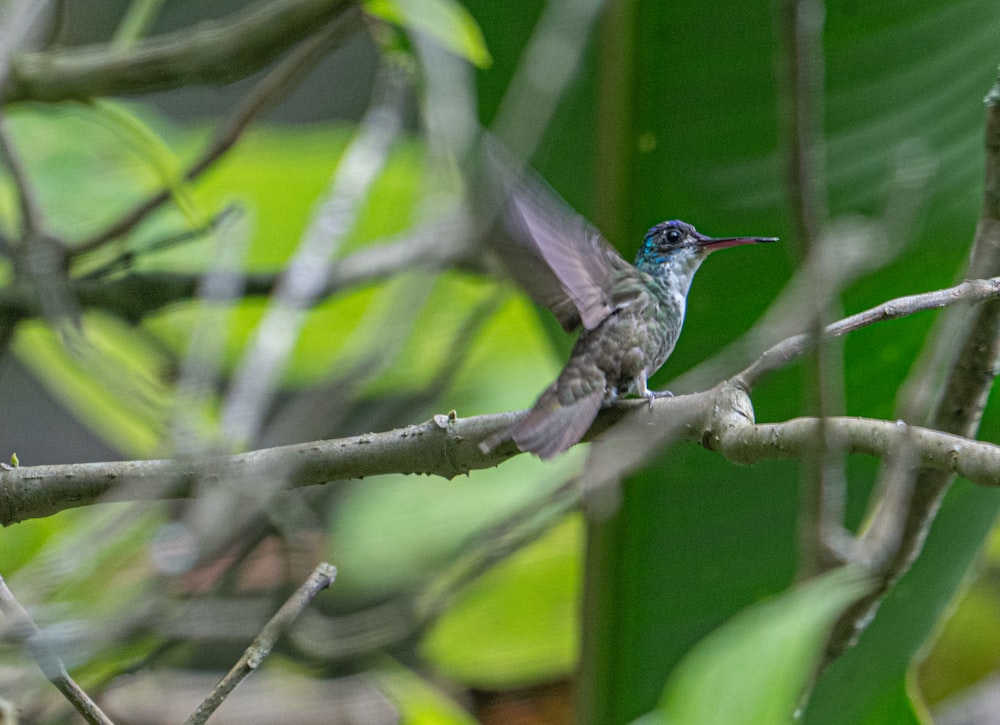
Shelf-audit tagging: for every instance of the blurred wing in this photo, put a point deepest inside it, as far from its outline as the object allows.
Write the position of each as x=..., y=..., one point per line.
x=555, y=254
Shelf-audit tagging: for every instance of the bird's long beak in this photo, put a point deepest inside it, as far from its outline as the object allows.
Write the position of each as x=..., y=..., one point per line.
x=713, y=243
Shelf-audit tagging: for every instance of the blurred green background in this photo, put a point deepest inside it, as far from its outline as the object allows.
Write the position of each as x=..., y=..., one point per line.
x=678, y=110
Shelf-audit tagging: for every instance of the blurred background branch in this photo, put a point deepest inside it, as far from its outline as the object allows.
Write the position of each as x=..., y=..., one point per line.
x=213, y=52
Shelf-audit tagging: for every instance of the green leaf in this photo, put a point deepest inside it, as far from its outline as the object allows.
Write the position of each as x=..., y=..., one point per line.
x=110, y=379
x=156, y=152
x=418, y=702
x=518, y=623
x=446, y=21
x=754, y=668
x=867, y=684
x=82, y=187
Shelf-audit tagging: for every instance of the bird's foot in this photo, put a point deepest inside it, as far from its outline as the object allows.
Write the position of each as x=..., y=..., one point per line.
x=652, y=395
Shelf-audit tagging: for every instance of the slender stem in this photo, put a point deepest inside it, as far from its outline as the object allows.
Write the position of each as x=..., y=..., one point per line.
x=321, y=578
x=139, y=17
x=806, y=151
x=823, y=485
x=48, y=662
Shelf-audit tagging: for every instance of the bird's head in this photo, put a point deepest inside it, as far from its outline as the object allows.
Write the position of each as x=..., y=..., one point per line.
x=678, y=246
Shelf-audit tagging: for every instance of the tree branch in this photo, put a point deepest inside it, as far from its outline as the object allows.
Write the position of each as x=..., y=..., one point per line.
x=214, y=52
x=135, y=295
x=979, y=462
x=444, y=446
x=447, y=446
x=966, y=387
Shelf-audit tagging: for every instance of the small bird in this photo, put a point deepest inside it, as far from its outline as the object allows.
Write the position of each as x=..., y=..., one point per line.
x=631, y=314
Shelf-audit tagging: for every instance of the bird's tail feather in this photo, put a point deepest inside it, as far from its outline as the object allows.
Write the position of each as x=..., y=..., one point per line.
x=549, y=428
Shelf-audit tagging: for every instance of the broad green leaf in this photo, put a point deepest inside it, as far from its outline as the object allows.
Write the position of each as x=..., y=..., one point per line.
x=518, y=624
x=392, y=533
x=80, y=187
x=418, y=701
x=755, y=668
x=111, y=378
x=160, y=157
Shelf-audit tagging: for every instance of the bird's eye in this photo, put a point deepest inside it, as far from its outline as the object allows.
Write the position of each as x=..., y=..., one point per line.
x=673, y=236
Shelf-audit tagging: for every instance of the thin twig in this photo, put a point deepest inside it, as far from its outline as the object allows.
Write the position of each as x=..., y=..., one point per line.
x=541, y=75
x=135, y=295
x=779, y=355
x=321, y=578
x=48, y=662
x=138, y=19
x=266, y=94
x=221, y=287
x=126, y=259
x=40, y=258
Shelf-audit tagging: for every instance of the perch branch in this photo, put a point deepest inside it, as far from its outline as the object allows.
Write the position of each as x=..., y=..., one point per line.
x=447, y=446
x=443, y=446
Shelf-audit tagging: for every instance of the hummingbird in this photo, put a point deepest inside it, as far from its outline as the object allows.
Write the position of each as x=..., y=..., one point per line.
x=631, y=314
